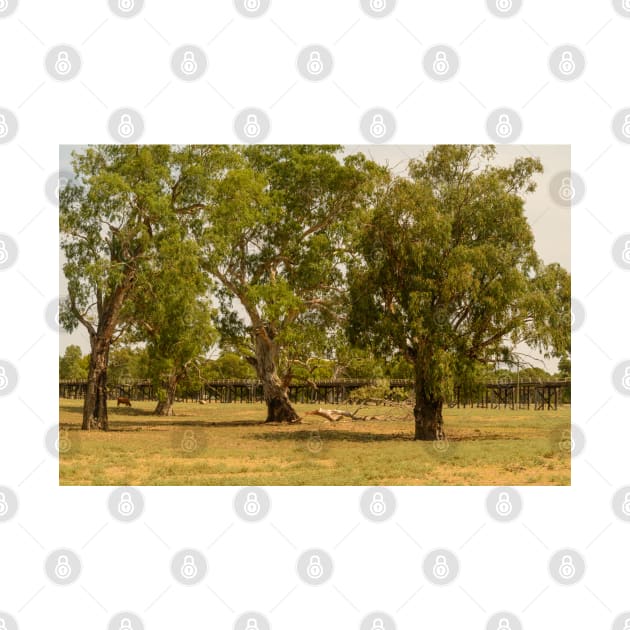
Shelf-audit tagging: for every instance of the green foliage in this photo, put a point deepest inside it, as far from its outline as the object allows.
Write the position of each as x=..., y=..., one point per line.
x=73, y=365
x=274, y=237
x=228, y=365
x=446, y=271
x=127, y=364
x=564, y=366
x=169, y=308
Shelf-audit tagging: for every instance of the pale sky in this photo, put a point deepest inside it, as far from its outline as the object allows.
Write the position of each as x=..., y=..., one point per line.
x=550, y=221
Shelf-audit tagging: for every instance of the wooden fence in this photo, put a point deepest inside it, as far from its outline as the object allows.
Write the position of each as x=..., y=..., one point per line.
x=493, y=395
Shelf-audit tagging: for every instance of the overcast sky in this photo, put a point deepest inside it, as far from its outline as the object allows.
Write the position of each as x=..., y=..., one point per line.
x=549, y=220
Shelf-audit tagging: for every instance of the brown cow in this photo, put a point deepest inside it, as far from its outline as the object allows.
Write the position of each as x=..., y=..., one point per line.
x=123, y=401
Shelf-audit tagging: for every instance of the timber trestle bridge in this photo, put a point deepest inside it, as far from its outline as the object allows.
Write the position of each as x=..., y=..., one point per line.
x=488, y=395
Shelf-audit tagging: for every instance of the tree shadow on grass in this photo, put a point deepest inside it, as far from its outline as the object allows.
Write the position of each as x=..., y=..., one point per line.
x=126, y=411
x=332, y=436
x=122, y=425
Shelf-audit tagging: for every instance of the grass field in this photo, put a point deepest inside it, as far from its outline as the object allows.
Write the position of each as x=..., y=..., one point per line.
x=228, y=444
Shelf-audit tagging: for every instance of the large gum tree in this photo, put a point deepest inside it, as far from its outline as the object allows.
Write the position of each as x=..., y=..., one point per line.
x=446, y=273
x=119, y=200
x=275, y=239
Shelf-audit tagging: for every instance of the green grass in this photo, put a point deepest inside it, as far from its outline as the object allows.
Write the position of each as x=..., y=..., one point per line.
x=229, y=444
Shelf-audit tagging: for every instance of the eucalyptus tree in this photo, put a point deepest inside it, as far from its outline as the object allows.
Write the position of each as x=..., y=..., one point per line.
x=276, y=241
x=119, y=200
x=446, y=273
x=170, y=310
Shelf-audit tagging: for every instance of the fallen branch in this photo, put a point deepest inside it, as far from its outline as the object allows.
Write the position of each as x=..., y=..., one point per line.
x=334, y=415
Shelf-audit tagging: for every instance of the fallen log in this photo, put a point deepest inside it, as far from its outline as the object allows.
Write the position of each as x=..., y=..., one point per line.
x=335, y=415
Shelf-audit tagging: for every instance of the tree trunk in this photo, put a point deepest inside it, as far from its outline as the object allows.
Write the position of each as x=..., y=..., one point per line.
x=165, y=407
x=95, y=404
x=427, y=410
x=428, y=416
x=279, y=408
